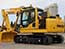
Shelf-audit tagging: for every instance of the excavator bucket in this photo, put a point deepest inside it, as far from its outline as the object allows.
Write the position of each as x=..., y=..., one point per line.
x=7, y=36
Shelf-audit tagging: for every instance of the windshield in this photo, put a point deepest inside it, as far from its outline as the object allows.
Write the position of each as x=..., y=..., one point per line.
x=25, y=16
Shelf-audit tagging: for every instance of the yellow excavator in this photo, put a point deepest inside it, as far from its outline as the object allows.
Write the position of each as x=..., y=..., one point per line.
x=32, y=25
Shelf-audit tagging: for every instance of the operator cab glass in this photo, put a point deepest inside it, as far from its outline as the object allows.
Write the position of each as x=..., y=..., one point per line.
x=27, y=17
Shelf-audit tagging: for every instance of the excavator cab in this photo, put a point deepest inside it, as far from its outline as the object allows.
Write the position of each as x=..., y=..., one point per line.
x=28, y=17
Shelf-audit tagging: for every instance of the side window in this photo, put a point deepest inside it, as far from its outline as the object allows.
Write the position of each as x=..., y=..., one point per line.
x=32, y=17
x=25, y=18
x=32, y=14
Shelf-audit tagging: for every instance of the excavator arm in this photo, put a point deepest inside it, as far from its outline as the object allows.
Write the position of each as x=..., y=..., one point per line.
x=6, y=17
x=7, y=32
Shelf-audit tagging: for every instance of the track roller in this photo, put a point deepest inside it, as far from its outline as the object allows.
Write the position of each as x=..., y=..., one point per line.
x=47, y=40
x=18, y=39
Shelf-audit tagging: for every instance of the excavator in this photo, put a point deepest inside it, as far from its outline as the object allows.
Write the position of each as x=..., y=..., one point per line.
x=32, y=25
